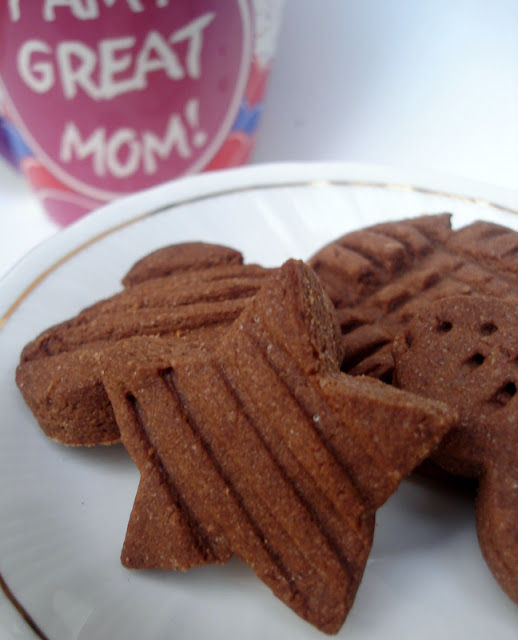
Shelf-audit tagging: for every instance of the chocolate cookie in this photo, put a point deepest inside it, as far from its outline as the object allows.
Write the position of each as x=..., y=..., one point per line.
x=464, y=351
x=177, y=258
x=58, y=373
x=262, y=448
x=379, y=277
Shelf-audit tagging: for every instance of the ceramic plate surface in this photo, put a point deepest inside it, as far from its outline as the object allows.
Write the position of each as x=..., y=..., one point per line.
x=63, y=512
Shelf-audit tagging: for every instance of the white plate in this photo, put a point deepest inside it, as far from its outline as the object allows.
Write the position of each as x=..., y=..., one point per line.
x=63, y=512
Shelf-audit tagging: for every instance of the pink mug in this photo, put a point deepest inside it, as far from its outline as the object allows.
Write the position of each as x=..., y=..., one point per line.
x=102, y=98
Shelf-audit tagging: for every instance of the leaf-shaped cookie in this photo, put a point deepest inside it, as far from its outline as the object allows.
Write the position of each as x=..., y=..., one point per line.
x=379, y=277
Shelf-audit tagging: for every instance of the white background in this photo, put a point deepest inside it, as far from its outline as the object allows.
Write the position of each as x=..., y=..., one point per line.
x=427, y=84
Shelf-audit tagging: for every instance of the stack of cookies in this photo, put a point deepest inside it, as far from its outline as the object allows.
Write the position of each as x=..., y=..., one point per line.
x=271, y=412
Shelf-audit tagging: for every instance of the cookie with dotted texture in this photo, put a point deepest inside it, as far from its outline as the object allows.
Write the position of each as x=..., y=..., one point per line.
x=464, y=351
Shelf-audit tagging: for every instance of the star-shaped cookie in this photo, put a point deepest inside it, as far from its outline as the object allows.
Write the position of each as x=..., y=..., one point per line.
x=264, y=449
x=463, y=350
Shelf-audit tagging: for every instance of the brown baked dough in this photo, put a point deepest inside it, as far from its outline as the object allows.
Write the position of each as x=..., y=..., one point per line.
x=58, y=373
x=379, y=277
x=464, y=351
x=263, y=449
x=177, y=258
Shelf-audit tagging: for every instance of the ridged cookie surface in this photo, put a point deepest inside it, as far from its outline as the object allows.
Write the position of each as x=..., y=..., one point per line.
x=379, y=277
x=58, y=373
x=264, y=449
x=177, y=258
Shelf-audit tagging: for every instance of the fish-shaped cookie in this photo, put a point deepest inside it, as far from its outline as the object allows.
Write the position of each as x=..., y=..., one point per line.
x=186, y=293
